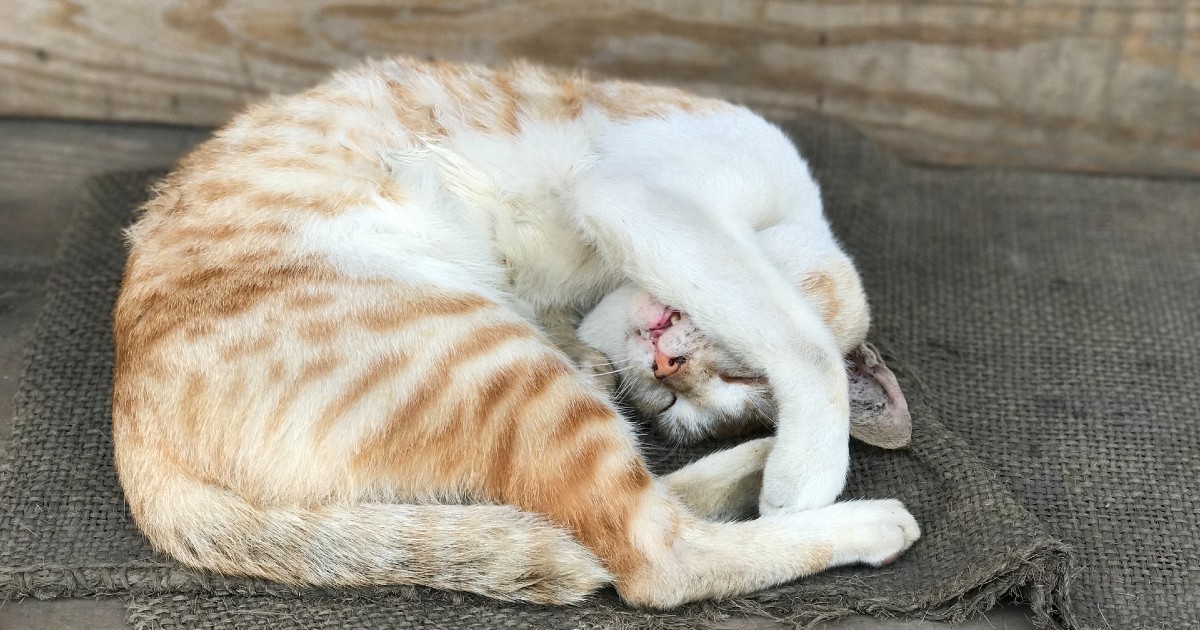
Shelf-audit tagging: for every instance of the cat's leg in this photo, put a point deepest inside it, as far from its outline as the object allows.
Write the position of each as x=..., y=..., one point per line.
x=706, y=560
x=724, y=485
x=714, y=268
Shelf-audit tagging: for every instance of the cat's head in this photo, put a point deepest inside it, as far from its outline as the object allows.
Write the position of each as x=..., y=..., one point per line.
x=671, y=372
x=674, y=374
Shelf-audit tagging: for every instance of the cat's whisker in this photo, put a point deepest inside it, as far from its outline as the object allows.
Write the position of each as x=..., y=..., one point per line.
x=619, y=362
x=616, y=371
x=624, y=387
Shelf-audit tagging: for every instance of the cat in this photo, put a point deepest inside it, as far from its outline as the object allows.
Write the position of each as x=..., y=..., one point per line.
x=672, y=372
x=335, y=342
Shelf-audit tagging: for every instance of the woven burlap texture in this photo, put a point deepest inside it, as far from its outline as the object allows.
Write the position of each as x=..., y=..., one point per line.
x=1043, y=326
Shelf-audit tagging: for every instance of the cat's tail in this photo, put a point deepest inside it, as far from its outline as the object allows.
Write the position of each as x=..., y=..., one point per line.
x=492, y=550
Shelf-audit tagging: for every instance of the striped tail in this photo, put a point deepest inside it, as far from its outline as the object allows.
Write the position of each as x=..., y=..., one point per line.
x=493, y=550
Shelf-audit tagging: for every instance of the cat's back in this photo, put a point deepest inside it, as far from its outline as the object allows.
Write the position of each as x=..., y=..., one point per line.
x=435, y=143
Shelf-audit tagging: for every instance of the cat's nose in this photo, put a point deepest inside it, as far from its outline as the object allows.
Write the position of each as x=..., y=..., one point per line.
x=665, y=366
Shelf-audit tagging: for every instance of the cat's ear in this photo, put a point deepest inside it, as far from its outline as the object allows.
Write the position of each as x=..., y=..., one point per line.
x=878, y=412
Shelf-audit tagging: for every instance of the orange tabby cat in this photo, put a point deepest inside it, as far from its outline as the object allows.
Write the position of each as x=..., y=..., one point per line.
x=334, y=363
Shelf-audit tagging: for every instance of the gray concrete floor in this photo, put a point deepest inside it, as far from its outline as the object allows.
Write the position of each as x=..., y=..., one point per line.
x=42, y=166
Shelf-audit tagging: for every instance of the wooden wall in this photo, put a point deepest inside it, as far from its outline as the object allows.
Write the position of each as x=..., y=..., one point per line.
x=1092, y=85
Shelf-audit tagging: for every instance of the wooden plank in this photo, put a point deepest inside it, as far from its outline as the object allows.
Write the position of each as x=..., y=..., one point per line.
x=44, y=163
x=1094, y=85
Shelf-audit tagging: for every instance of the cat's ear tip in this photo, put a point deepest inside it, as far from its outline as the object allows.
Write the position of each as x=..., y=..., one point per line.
x=882, y=418
x=890, y=438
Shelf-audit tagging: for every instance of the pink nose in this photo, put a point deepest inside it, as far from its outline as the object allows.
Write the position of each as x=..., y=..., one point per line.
x=665, y=366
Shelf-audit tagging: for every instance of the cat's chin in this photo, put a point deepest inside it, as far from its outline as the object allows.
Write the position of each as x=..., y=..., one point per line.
x=687, y=433
x=683, y=422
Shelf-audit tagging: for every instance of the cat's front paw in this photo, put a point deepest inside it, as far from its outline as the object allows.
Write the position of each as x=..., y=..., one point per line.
x=870, y=532
x=799, y=481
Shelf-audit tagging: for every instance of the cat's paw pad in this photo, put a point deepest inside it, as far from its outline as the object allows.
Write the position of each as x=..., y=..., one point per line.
x=870, y=532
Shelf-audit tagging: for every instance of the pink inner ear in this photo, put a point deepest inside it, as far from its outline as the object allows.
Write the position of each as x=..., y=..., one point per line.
x=878, y=411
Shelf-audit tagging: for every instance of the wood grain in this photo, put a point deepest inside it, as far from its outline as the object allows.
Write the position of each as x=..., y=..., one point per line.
x=1093, y=85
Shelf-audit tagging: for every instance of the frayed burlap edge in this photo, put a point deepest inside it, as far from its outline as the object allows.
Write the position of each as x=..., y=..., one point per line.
x=1039, y=577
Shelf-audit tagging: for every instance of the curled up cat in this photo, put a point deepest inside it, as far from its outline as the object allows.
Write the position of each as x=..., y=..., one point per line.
x=346, y=353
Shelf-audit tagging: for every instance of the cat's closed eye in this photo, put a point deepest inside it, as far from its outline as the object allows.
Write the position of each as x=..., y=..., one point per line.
x=743, y=380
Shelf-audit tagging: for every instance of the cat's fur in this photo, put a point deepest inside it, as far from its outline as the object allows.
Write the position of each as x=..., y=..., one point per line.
x=334, y=361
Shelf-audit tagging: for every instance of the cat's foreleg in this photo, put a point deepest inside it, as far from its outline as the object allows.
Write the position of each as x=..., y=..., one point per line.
x=713, y=268
x=724, y=485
